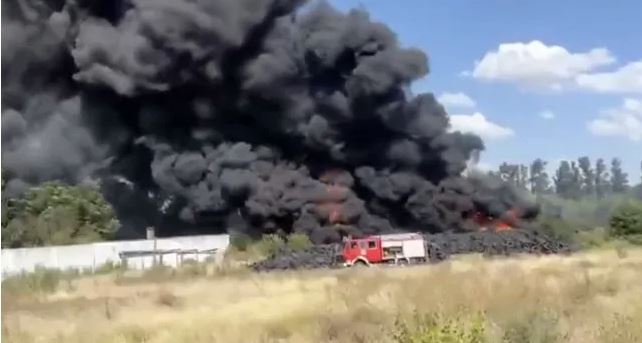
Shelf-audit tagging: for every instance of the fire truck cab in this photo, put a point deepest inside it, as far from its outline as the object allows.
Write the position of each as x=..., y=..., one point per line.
x=403, y=248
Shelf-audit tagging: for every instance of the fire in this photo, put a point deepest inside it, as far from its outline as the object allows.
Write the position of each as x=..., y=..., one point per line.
x=501, y=225
x=331, y=204
x=335, y=216
x=486, y=222
x=333, y=212
x=336, y=192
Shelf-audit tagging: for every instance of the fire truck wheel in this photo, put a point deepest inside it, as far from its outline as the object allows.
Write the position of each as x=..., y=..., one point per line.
x=360, y=264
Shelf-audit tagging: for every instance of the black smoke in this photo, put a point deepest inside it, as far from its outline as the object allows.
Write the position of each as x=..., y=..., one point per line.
x=259, y=116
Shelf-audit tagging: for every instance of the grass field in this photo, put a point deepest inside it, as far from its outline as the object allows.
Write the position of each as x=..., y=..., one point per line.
x=588, y=297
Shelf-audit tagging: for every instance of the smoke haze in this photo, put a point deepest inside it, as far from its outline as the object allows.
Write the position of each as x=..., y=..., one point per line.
x=199, y=116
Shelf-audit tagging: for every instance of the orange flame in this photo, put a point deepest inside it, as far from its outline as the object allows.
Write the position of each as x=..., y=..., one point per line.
x=331, y=203
x=489, y=223
x=333, y=212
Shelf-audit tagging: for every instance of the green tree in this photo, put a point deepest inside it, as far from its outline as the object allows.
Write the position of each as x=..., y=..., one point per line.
x=56, y=214
x=637, y=190
x=540, y=183
x=523, y=176
x=626, y=220
x=565, y=181
x=588, y=176
x=619, y=179
x=602, y=183
x=576, y=188
x=515, y=174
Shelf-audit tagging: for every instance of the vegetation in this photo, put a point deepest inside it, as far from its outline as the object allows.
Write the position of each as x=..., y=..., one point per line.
x=590, y=222
x=586, y=204
x=298, y=241
x=270, y=244
x=588, y=297
x=626, y=221
x=56, y=214
x=572, y=179
x=436, y=328
x=242, y=247
x=40, y=281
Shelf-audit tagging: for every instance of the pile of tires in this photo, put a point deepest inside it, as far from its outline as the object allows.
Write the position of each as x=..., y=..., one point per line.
x=318, y=256
x=494, y=243
x=439, y=247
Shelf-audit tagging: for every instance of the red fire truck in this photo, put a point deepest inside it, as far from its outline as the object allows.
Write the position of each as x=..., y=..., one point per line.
x=404, y=248
x=408, y=248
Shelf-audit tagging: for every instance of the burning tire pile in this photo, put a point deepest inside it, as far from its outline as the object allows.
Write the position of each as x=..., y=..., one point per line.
x=439, y=248
x=318, y=256
x=495, y=243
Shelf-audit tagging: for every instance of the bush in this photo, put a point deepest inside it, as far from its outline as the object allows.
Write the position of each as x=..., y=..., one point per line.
x=40, y=281
x=595, y=238
x=626, y=220
x=109, y=267
x=435, y=328
x=558, y=228
x=270, y=244
x=299, y=241
x=167, y=298
x=240, y=241
x=536, y=327
x=57, y=214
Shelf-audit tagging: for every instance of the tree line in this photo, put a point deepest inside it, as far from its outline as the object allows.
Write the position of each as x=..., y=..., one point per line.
x=571, y=180
x=54, y=213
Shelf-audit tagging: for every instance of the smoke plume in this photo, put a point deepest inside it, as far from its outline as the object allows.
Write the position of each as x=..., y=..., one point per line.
x=258, y=116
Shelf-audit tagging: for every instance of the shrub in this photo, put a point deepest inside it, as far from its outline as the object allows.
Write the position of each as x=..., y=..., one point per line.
x=595, y=238
x=626, y=220
x=109, y=267
x=167, y=298
x=40, y=281
x=299, y=241
x=240, y=241
x=192, y=268
x=536, y=327
x=57, y=214
x=435, y=328
x=557, y=228
x=270, y=244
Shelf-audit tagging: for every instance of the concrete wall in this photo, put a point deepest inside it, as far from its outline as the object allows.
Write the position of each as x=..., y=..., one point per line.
x=92, y=256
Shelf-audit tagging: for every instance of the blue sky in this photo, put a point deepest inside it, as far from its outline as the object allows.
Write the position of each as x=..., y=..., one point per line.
x=578, y=61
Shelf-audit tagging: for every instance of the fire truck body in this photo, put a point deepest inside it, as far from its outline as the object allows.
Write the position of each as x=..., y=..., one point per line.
x=409, y=248
x=403, y=248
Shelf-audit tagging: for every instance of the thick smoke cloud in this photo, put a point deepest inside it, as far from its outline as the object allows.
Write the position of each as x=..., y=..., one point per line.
x=259, y=116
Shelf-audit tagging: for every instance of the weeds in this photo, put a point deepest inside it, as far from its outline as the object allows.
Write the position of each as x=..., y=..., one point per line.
x=537, y=327
x=109, y=267
x=299, y=241
x=437, y=328
x=593, y=297
x=167, y=298
x=40, y=281
x=240, y=241
x=270, y=244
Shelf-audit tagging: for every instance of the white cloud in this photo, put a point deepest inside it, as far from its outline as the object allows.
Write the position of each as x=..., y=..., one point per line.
x=456, y=101
x=478, y=124
x=624, y=121
x=547, y=115
x=626, y=79
x=537, y=65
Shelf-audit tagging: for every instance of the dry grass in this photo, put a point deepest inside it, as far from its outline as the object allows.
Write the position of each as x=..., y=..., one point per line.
x=590, y=297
